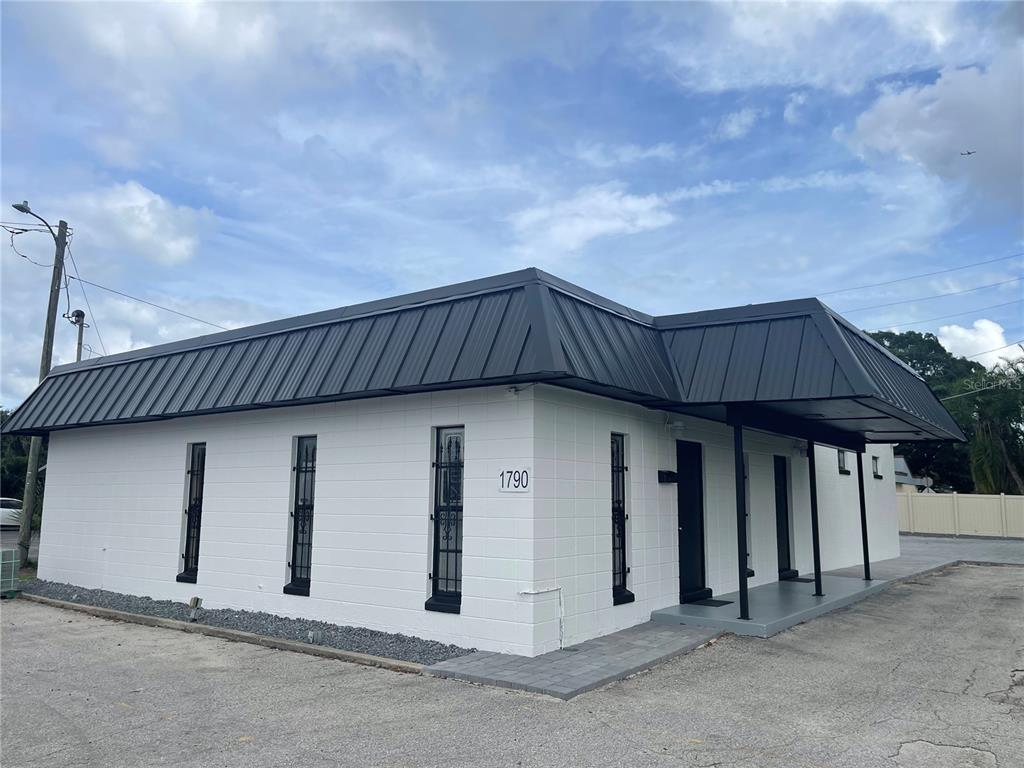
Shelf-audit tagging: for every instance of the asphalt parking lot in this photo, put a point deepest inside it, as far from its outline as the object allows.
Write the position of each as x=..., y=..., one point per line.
x=927, y=674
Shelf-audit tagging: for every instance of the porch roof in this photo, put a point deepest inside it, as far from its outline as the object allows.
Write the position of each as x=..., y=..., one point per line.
x=795, y=366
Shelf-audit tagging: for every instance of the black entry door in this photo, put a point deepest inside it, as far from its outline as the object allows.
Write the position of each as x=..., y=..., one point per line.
x=690, y=479
x=782, y=518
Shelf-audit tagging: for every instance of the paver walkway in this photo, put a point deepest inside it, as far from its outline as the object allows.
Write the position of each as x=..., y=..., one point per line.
x=571, y=671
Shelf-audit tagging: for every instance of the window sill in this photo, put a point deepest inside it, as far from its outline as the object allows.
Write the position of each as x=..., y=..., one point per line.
x=844, y=471
x=187, y=577
x=444, y=604
x=297, y=588
x=621, y=596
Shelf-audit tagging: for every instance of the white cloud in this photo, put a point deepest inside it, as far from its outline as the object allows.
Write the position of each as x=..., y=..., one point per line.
x=121, y=323
x=129, y=219
x=117, y=151
x=982, y=336
x=566, y=226
x=714, y=188
x=791, y=114
x=607, y=156
x=834, y=46
x=738, y=124
x=151, y=56
x=970, y=109
x=817, y=180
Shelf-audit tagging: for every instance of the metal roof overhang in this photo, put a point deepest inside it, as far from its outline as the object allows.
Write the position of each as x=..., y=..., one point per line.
x=844, y=422
x=793, y=368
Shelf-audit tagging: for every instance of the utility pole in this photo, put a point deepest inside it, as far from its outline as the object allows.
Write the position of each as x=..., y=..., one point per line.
x=78, y=319
x=45, y=361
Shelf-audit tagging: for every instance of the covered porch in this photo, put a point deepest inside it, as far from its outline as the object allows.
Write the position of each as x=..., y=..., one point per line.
x=820, y=381
x=772, y=607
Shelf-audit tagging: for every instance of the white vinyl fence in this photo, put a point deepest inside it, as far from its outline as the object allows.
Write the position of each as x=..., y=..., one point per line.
x=961, y=514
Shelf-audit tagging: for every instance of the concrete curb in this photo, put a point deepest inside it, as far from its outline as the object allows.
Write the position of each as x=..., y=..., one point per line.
x=235, y=635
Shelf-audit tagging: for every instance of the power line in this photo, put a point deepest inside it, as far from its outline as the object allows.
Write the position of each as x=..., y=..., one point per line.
x=81, y=280
x=923, y=274
x=14, y=248
x=13, y=231
x=26, y=227
x=971, y=392
x=150, y=303
x=958, y=314
x=92, y=315
x=988, y=351
x=934, y=296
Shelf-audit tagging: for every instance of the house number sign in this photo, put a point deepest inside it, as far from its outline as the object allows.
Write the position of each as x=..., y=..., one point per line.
x=514, y=480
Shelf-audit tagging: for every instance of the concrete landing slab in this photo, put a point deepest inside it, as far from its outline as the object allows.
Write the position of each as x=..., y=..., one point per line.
x=773, y=607
x=579, y=668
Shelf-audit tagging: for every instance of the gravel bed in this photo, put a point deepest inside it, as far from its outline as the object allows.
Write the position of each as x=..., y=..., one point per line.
x=371, y=641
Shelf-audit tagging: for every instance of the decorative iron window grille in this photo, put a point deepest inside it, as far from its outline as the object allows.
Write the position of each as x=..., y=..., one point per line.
x=620, y=594
x=302, y=516
x=446, y=576
x=194, y=477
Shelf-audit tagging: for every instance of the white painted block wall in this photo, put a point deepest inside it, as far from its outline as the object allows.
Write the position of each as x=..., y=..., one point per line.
x=572, y=505
x=115, y=495
x=537, y=566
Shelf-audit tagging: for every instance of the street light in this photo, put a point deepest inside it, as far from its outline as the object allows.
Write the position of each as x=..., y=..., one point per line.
x=60, y=239
x=22, y=207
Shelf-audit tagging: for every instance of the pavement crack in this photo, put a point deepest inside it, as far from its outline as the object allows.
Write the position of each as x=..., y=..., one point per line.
x=927, y=752
x=970, y=681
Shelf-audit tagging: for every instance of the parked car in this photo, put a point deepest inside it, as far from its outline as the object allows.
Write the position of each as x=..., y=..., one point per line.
x=10, y=514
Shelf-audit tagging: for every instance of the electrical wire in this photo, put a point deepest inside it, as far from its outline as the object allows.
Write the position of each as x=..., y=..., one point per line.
x=13, y=232
x=150, y=303
x=923, y=274
x=82, y=281
x=26, y=227
x=971, y=392
x=934, y=296
x=989, y=351
x=958, y=314
x=92, y=315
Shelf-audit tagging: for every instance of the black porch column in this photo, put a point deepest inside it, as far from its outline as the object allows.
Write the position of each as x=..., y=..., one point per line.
x=814, y=519
x=741, y=516
x=863, y=515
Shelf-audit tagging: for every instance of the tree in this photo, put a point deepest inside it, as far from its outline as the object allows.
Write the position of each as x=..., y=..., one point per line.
x=991, y=415
x=993, y=403
x=948, y=464
x=14, y=462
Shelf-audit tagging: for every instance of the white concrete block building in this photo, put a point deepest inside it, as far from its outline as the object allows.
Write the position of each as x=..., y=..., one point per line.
x=514, y=463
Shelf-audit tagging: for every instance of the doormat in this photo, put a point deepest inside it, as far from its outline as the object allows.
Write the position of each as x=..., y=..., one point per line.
x=710, y=603
x=801, y=579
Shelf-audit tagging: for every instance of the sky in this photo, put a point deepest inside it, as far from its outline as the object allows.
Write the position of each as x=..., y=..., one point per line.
x=243, y=162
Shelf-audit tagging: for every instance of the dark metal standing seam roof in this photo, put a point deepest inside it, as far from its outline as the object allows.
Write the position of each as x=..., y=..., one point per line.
x=787, y=358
